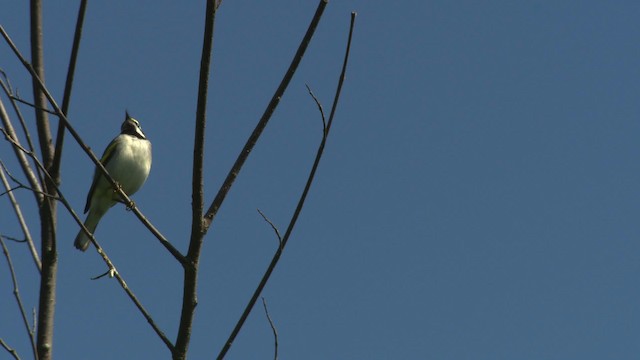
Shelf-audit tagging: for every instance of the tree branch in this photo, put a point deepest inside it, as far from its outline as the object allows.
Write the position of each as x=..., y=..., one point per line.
x=273, y=329
x=16, y=294
x=34, y=106
x=21, y=221
x=9, y=349
x=66, y=98
x=294, y=218
x=264, y=120
x=48, y=248
x=189, y=297
x=40, y=102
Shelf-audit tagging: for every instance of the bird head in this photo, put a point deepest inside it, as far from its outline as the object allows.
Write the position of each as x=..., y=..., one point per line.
x=131, y=126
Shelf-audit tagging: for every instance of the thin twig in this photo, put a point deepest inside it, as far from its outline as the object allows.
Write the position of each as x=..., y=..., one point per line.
x=275, y=229
x=273, y=328
x=21, y=220
x=264, y=120
x=8, y=191
x=294, y=218
x=10, y=238
x=16, y=294
x=102, y=253
x=11, y=350
x=324, y=122
x=109, y=272
x=32, y=105
x=125, y=198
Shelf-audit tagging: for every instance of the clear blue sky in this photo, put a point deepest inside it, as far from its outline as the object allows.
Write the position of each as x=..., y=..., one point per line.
x=478, y=198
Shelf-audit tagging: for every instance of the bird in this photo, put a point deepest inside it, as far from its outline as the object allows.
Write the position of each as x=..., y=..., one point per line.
x=127, y=158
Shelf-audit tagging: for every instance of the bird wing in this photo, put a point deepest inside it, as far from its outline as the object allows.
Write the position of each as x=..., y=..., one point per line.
x=108, y=154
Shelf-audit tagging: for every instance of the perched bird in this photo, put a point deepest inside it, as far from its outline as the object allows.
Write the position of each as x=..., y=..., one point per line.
x=128, y=161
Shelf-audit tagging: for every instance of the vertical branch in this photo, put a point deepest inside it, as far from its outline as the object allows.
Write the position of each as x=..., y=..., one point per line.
x=57, y=157
x=47, y=297
x=296, y=214
x=39, y=100
x=49, y=255
x=190, y=265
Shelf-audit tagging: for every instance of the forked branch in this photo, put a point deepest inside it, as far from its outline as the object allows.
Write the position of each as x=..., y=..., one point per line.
x=264, y=120
x=9, y=349
x=294, y=218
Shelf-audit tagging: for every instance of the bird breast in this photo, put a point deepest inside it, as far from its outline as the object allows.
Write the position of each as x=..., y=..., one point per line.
x=131, y=163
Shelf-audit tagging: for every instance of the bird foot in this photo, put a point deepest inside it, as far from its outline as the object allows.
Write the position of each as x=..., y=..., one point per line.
x=130, y=205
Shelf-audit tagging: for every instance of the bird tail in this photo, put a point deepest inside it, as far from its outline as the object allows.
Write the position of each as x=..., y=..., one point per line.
x=82, y=240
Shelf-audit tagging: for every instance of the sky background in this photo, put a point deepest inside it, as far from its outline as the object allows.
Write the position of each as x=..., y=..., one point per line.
x=478, y=197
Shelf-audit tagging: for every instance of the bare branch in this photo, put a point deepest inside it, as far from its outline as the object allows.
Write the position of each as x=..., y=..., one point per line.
x=47, y=209
x=21, y=220
x=273, y=328
x=190, y=266
x=264, y=120
x=66, y=98
x=11, y=350
x=294, y=218
x=39, y=99
x=124, y=197
x=343, y=73
x=16, y=294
